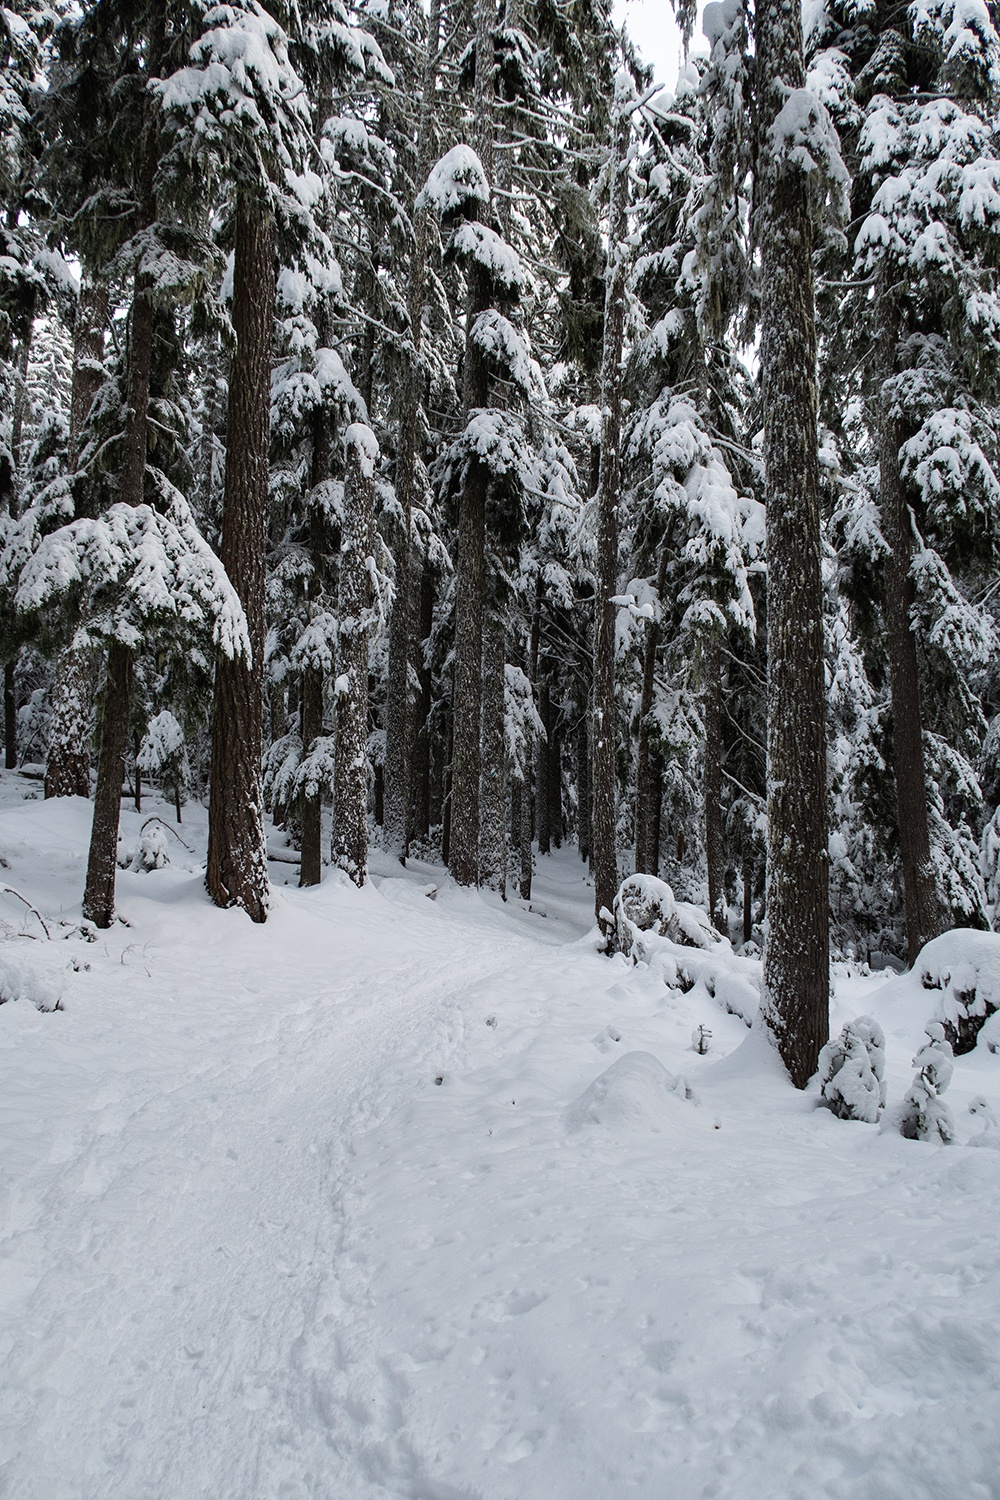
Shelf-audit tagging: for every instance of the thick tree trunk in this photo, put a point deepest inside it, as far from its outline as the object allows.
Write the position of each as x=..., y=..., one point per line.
x=350, y=801
x=493, y=835
x=924, y=917
x=237, y=855
x=795, y=1003
x=605, y=740
x=715, y=856
x=398, y=730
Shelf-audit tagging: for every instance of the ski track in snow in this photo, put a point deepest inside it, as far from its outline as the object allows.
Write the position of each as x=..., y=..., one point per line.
x=249, y=1247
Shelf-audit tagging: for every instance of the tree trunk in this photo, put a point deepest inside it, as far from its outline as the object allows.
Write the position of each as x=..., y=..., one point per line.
x=99, y=891
x=311, y=706
x=924, y=917
x=493, y=835
x=99, y=894
x=524, y=841
x=643, y=767
x=67, y=763
x=467, y=681
x=543, y=771
x=421, y=781
x=350, y=801
x=398, y=730
x=795, y=1003
x=604, y=767
x=311, y=844
x=555, y=781
x=237, y=855
x=715, y=857
x=583, y=786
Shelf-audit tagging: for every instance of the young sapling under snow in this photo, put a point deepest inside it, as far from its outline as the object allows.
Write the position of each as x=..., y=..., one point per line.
x=852, y=1071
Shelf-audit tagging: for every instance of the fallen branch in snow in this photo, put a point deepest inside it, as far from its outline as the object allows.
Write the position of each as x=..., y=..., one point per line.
x=9, y=890
x=155, y=819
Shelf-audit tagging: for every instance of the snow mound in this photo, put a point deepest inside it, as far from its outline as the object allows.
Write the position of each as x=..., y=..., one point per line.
x=636, y=1093
x=18, y=981
x=645, y=904
x=964, y=965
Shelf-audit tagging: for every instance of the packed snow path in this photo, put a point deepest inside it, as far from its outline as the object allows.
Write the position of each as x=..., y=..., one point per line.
x=252, y=1247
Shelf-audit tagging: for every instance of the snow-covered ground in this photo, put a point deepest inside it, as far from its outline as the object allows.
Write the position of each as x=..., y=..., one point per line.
x=395, y=1196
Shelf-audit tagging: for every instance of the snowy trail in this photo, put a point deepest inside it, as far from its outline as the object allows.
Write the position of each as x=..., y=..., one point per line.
x=180, y=1230
x=250, y=1249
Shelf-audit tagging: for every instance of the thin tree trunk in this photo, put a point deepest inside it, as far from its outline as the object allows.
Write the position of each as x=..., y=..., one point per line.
x=715, y=857
x=493, y=835
x=526, y=861
x=583, y=786
x=421, y=782
x=67, y=763
x=311, y=708
x=795, y=1004
x=655, y=812
x=237, y=855
x=350, y=802
x=643, y=770
x=604, y=768
x=543, y=768
x=99, y=891
x=747, y=892
x=924, y=916
x=399, y=738
x=555, y=782
x=467, y=681
x=138, y=775
x=311, y=816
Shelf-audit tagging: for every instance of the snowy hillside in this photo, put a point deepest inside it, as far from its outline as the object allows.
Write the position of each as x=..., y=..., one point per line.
x=411, y=1194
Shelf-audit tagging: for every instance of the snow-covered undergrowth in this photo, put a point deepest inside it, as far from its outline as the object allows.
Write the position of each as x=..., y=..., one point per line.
x=424, y=1198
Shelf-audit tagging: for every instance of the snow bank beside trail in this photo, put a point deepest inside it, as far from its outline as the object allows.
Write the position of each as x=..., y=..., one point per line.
x=634, y=1093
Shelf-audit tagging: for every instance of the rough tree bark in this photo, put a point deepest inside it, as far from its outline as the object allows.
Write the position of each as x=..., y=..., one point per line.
x=924, y=917
x=350, y=798
x=237, y=855
x=604, y=772
x=795, y=1003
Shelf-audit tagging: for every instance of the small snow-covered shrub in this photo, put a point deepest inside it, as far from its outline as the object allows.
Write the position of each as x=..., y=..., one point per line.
x=18, y=981
x=964, y=965
x=646, y=904
x=923, y=1115
x=852, y=1071
x=152, y=851
x=163, y=754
